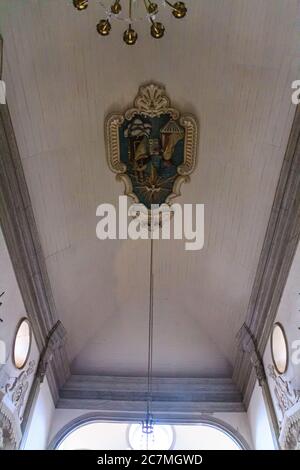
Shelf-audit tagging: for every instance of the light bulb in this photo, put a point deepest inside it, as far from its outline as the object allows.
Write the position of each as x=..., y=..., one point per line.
x=81, y=4
x=179, y=10
x=104, y=27
x=130, y=36
x=116, y=7
x=157, y=30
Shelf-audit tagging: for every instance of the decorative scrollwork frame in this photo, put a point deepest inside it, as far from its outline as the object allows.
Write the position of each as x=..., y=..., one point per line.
x=151, y=101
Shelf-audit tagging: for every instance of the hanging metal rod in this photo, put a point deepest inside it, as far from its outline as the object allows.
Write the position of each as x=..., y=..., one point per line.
x=150, y=341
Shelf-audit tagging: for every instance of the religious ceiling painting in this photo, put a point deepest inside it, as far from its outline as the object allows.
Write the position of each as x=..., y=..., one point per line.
x=152, y=147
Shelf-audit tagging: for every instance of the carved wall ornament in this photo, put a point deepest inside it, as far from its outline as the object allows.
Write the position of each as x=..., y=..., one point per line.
x=290, y=430
x=286, y=396
x=16, y=389
x=10, y=427
x=12, y=399
x=151, y=147
x=14, y=395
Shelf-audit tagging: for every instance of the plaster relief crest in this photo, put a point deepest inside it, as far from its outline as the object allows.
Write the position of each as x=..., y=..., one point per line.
x=151, y=147
x=12, y=399
x=288, y=402
x=285, y=395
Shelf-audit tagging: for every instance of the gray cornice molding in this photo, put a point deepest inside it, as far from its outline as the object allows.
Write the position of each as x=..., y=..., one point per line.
x=21, y=236
x=248, y=345
x=277, y=254
x=55, y=341
x=172, y=397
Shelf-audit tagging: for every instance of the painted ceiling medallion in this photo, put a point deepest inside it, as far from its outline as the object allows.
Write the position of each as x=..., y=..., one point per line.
x=151, y=147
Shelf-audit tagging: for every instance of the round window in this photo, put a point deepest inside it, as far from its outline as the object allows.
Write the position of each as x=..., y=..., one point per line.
x=22, y=344
x=279, y=348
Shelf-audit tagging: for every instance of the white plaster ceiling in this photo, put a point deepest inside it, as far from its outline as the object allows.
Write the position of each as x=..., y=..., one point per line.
x=231, y=63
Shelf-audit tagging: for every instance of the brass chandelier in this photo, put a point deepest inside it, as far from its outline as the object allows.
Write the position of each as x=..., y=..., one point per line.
x=119, y=7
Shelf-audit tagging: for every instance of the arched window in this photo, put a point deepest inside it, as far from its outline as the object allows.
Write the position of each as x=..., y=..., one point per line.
x=94, y=435
x=207, y=436
x=90, y=433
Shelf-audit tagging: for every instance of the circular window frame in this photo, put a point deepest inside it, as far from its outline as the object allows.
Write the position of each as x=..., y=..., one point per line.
x=281, y=327
x=22, y=320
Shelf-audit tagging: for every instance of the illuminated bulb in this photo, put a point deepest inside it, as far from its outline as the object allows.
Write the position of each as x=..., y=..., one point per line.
x=157, y=30
x=104, y=27
x=116, y=7
x=130, y=36
x=179, y=10
x=152, y=8
x=80, y=4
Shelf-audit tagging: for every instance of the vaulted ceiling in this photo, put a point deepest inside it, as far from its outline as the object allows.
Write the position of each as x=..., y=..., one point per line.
x=231, y=63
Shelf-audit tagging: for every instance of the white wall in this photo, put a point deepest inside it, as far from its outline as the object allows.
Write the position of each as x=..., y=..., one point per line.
x=259, y=423
x=240, y=422
x=39, y=427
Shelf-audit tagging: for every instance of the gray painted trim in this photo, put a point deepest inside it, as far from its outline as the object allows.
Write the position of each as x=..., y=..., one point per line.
x=160, y=408
x=172, y=397
x=277, y=254
x=21, y=236
x=135, y=388
x=55, y=341
x=99, y=417
x=249, y=346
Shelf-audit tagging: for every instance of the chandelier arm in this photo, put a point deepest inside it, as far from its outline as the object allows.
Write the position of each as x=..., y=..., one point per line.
x=120, y=17
x=170, y=4
x=148, y=4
